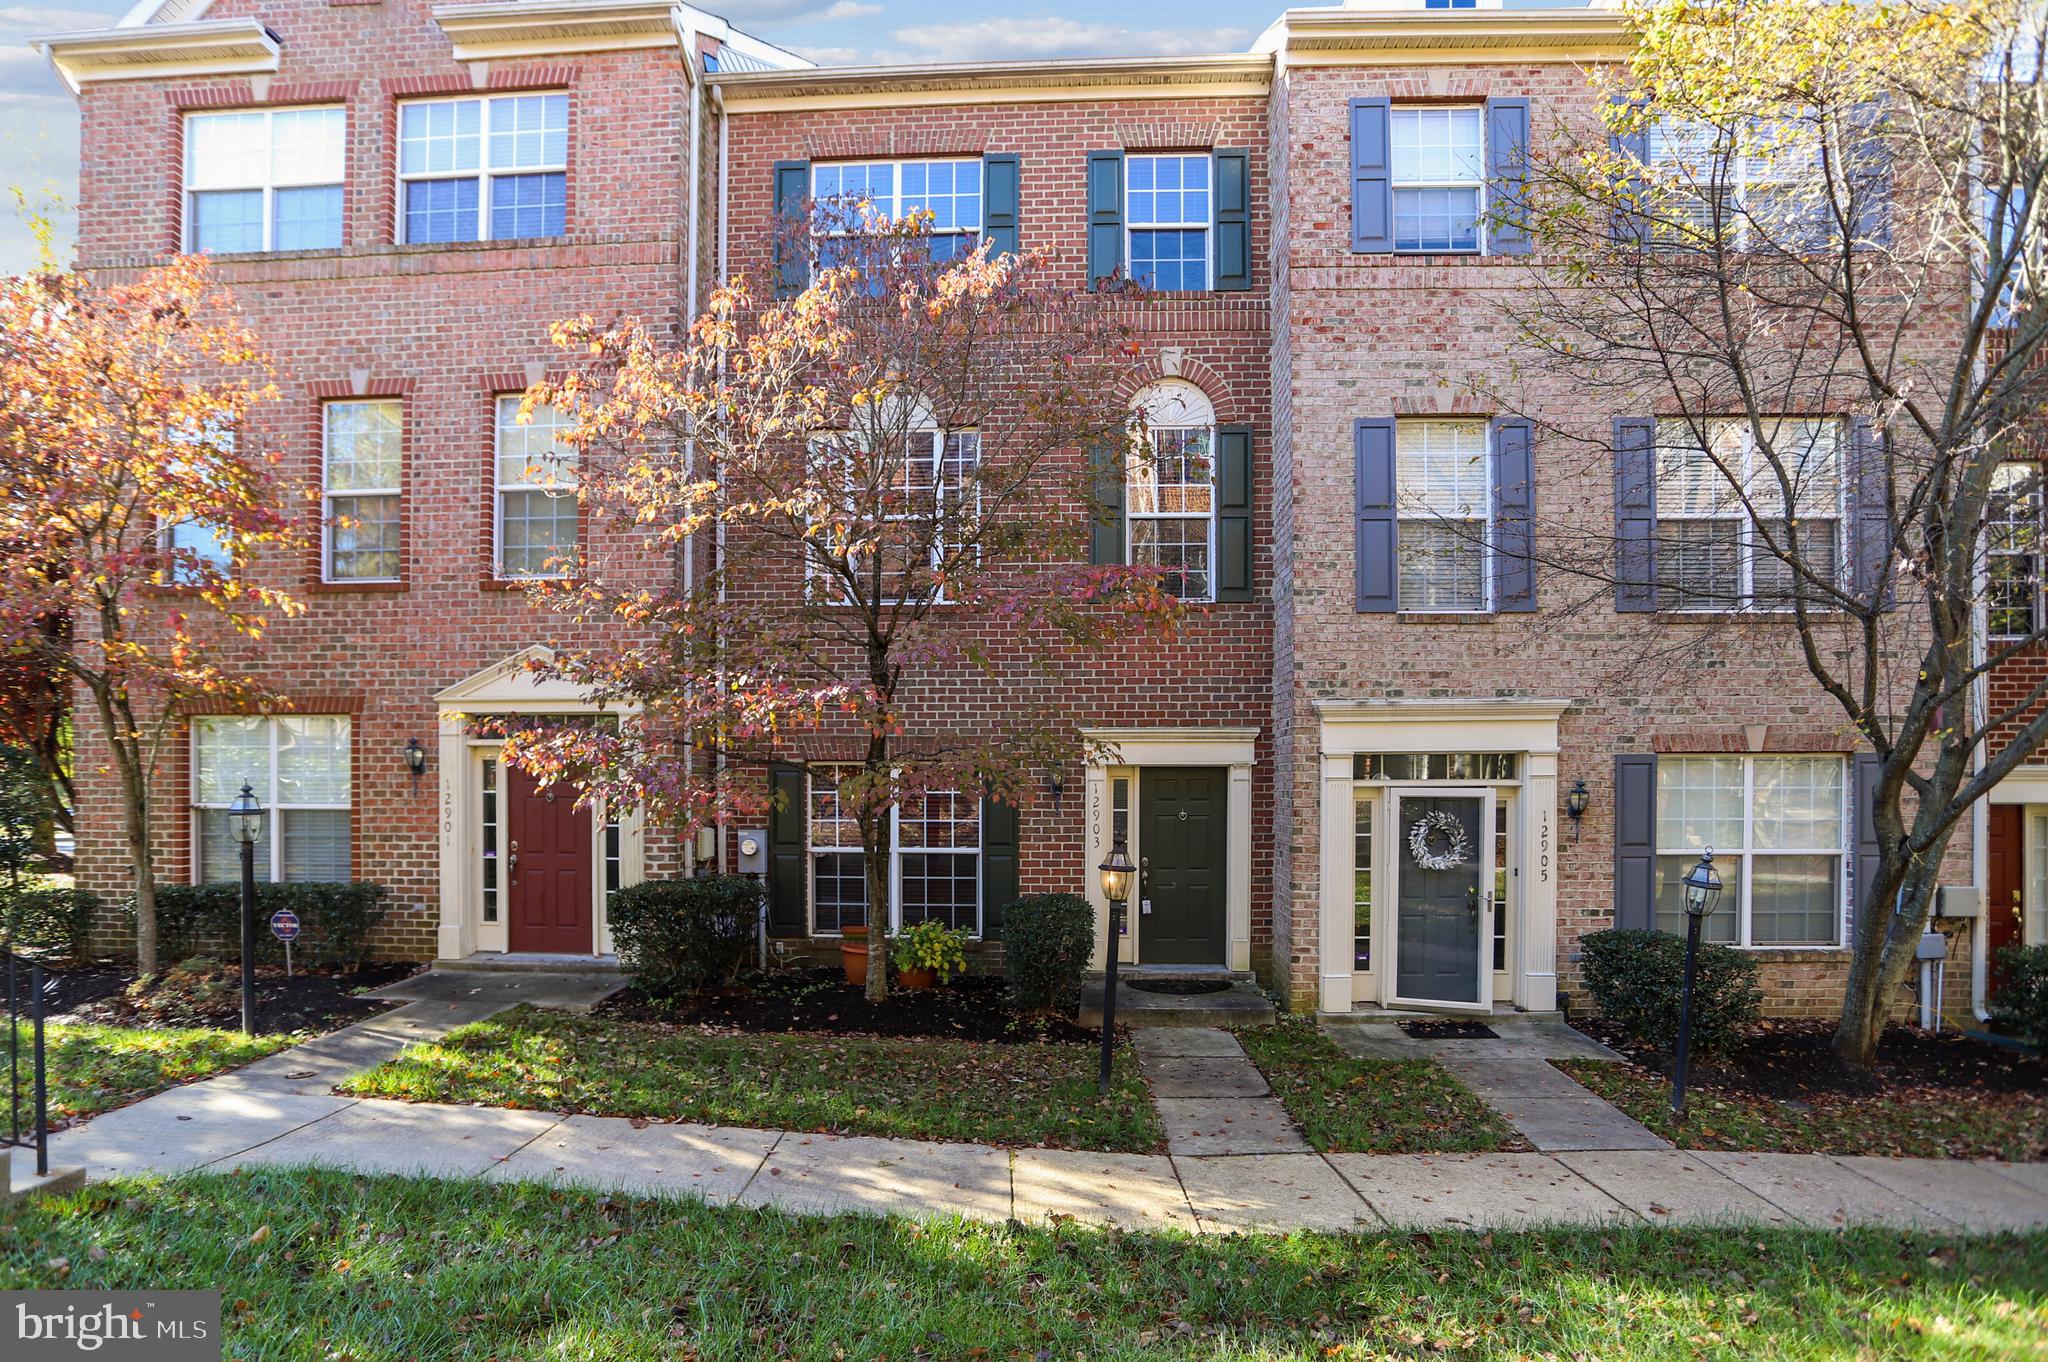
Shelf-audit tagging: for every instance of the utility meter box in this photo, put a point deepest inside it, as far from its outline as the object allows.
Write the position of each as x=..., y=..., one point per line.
x=753, y=851
x=1958, y=901
x=1933, y=946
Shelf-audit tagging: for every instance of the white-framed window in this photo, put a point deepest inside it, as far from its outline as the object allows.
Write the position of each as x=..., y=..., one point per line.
x=1170, y=490
x=1169, y=205
x=265, y=179
x=2012, y=552
x=1444, y=500
x=934, y=859
x=361, y=473
x=1769, y=180
x=483, y=168
x=536, y=492
x=1439, y=177
x=194, y=550
x=297, y=765
x=1777, y=828
x=933, y=490
x=950, y=190
x=1713, y=553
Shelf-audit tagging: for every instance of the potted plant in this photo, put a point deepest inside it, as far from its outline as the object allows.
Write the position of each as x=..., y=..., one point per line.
x=929, y=953
x=853, y=953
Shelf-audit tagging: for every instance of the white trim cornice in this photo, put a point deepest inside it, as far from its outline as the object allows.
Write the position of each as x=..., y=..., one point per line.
x=1397, y=711
x=209, y=47
x=1014, y=82
x=542, y=28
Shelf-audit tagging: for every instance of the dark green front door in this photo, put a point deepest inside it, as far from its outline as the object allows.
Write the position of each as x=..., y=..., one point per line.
x=1182, y=842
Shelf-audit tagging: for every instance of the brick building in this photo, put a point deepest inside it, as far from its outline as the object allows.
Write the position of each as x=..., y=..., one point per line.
x=1374, y=731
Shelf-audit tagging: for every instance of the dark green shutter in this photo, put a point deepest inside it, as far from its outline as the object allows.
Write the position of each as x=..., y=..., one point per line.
x=998, y=865
x=786, y=852
x=1106, y=537
x=1234, y=513
x=792, y=252
x=1001, y=198
x=1635, y=842
x=1233, y=220
x=1868, y=853
x=1105, y=215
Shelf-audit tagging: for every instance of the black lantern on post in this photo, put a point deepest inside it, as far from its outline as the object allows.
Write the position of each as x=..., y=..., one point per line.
x=245, y=817
x=1116, y=887
x=1702, y=891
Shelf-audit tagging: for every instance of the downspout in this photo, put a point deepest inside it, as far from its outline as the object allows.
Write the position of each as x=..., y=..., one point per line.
x=1980, y=811
x=692, y=196
x=718, y=534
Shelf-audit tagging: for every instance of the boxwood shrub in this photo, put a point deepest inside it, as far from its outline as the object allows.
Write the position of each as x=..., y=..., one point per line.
x=1636, y=979
x=1047, y=939
x=335, y=921
x=2020, y=1000
x=677, y=937
x=49, y=919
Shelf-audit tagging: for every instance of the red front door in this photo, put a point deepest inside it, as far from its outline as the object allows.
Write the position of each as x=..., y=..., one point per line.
x=549, y=871
x=2006, y=857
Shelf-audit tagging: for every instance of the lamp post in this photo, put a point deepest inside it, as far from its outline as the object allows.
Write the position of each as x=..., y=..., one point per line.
x=245, y=816
x=1116, y=887
x=1702, y=888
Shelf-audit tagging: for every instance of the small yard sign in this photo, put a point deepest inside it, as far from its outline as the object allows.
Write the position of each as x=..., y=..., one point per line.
x=284, y=925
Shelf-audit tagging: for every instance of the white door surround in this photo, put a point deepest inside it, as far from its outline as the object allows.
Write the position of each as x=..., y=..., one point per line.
x=1123, y=752
x=506, y=687
x=1526, y=728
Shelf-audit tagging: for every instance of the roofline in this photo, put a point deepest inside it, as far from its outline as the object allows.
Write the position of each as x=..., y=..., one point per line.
x=1601, y=29
x=1003, y=80
x=199, y=47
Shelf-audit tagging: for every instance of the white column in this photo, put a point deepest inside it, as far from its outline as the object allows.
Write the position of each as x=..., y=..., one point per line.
x=1333, y=929
x=458, y=924
x=1535, y=982
x=1240, y=872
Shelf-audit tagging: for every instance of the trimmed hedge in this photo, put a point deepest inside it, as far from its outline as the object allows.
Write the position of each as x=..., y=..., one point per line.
x=335, y=921
x=2021, y=1001
x=49, y=919
x=1638, y=978
x=1047, y=940
x=677, y=937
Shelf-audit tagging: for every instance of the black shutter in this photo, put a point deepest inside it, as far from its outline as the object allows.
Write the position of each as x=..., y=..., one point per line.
x=792, y=237
x=787, y=852
x=1507, y=175
x=1234, y=513
x=1233, y=248
x=1372, y=176
x=1863, y=774
x=1105, y=215
x=1514, y=515
x=1001, y=199
x=1635, y=513
x=1870, y=526
x=1635, y=842
x=1106, y=536
x=1376, y=541
x=998, y=865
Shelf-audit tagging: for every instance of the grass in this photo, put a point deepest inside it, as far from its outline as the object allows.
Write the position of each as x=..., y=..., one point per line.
x=1025, y=1094
x=93, y=1068
x=2001, y=1125
x=1371, y=1106
x=316, y=1265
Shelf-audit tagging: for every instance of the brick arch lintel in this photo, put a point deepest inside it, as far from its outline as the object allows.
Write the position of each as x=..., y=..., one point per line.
x=1189, y=369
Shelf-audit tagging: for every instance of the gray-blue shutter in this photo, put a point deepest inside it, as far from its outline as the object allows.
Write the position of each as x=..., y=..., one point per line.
x=1514, y=515
x=1635, y=842
x=1234, y=513
x=1635, y=513
x=1106, y=532
x=1870, y=526
x=1507, y=175
x=1863, y=773
x=1233, y=243
x=1001, y=201
x=1870, y=174
x=1105, y=216
x=1377, y=544
x=1629, y=222
x=792, y=256
x=1372, y=176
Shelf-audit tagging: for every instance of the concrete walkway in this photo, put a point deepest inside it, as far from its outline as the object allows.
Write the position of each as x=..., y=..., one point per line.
x=1211, y=1098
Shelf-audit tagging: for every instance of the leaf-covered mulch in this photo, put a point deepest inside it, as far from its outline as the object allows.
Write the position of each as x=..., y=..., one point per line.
x=821, y=1002
x=1784, y=1090
x=1371, y=1106
x=1008, y=1094
x=208, y=993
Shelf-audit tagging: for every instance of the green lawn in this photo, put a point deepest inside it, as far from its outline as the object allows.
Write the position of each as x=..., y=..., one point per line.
x=1027, y=1094
x=317, y=1265
x=1371, y=1106
x=94, y=1068
x=2010, y=1125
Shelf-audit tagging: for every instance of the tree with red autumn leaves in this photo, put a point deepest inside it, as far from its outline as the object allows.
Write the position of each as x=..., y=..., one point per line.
x=853, y=494
x=129, y=503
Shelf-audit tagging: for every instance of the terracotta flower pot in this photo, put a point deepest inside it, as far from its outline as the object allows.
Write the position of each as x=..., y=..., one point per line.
x=917, y=978
x=853, y=954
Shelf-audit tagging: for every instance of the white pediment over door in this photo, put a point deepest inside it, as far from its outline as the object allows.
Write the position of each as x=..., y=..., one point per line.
x=510, y=685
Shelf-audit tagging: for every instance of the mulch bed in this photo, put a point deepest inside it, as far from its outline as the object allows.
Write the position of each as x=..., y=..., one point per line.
x=821, y=1002
x=311, y=1000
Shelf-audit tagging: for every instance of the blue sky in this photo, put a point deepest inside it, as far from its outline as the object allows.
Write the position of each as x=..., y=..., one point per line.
x=39, y=123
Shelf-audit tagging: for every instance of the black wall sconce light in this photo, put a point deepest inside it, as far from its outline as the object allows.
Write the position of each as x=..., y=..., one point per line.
x=415, y=758
x=1575, y=801
x=1058, y=786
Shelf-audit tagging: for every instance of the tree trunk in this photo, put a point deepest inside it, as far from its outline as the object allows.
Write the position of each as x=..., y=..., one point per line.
x=874, y=842
x=122, y=741
x=1878, y=966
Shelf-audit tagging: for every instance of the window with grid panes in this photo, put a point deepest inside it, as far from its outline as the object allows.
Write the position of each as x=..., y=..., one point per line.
x=360, y=456
x=1763, y=187
x=933, y=488
x=1167, y=207
x=1713, y=553
x=195, y=549
x=265, y=179
x=2012, y=551
x=1439, y=180
x=298, y=768
x=1170, y=490
x=1445, y=504
x=536, y=493
x=950, y=190
x=1777, y=830
x=839, y=886
x=1361, y=883
x=935, y=855
x=490, y=168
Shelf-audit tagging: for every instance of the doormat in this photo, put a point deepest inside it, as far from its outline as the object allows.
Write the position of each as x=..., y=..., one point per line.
x=1450, y=1030
x=1180, y=988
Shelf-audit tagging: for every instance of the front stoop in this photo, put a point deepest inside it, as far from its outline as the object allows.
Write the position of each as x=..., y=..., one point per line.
x=14, y=1187
x=530, y=961
x=1242, y=1005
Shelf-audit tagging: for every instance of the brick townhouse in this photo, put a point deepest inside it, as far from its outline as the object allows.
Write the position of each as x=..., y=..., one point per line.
x=404, y=196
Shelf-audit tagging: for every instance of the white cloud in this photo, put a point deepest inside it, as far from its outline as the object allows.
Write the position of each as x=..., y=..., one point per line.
x=749, y=12
x=849, y=9
x=998, y=39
